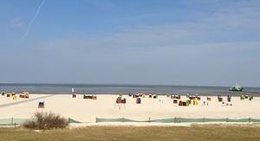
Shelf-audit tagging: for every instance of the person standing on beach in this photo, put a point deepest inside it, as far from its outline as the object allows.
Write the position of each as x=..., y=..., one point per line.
x=229, y=98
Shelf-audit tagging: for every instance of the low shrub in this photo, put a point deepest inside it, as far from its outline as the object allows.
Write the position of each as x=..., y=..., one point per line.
x=45, y=121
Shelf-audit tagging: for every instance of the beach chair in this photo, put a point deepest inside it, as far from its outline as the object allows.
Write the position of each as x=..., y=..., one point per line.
x=180, y=103
x=191, y=97
x=187, y=103
x=205, y=103
x=242, y=97
x=24, y=95
x=14, y=97
x=120, y=102
x=135, y=96
x=138, y=100
x=195, y=101
x=13, y=94
x=41, y=105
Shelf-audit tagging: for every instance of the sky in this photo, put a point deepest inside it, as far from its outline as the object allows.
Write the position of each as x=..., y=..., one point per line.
x=166, y=42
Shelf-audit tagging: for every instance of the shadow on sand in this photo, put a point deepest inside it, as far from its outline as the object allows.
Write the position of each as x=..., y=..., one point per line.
x=29, y=100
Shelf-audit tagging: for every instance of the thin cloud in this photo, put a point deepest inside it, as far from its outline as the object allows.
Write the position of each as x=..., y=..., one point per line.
x=32, y=20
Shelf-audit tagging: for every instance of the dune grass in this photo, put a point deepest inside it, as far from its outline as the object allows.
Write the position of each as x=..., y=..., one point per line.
x=132, y=133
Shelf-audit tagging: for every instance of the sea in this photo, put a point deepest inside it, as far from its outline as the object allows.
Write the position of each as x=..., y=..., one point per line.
x=36, y=88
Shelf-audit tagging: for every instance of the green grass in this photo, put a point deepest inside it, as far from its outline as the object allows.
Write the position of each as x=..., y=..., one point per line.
x=132, y=133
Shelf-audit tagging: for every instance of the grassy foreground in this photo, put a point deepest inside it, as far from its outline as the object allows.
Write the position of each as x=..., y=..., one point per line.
x=132, y=133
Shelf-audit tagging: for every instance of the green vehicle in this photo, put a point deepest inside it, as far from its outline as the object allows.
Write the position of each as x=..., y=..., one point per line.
x=236, y=88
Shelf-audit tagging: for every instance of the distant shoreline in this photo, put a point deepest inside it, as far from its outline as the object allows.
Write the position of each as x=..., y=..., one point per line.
x=48, y=88
x=108, y=84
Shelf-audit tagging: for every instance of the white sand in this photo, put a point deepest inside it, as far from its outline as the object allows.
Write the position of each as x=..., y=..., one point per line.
x=86, y=110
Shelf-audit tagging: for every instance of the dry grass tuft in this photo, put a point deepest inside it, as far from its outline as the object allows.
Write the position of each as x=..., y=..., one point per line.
x=45, y=121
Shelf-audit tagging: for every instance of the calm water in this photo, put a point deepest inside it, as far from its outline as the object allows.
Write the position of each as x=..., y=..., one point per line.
x=116, y=89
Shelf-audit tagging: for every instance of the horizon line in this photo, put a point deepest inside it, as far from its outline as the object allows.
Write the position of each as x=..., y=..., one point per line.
x=110, y=84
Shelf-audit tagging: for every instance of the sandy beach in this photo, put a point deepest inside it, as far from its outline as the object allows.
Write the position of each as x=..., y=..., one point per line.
x=105, y=106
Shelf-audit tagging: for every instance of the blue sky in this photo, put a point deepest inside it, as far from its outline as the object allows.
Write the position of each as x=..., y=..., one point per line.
x=175, y=42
